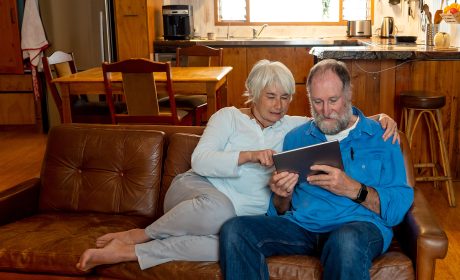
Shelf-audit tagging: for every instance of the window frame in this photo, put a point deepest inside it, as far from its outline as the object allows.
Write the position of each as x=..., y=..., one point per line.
x=248, y=22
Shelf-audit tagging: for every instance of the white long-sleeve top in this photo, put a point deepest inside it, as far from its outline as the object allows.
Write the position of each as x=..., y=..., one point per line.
x=228, y=132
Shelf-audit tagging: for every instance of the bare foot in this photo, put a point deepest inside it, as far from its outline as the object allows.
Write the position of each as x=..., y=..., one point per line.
x=132, y=237
x=116, y=251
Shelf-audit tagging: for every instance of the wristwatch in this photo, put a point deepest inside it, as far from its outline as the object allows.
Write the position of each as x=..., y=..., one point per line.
x=362, y=194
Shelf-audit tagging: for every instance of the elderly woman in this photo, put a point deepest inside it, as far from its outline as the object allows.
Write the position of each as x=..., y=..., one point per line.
x=231, y=167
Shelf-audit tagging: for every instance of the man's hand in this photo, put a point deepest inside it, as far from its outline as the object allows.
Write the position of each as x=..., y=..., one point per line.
x=390, y=126
x=335, y=181
x=264, y=157
x=282, y=185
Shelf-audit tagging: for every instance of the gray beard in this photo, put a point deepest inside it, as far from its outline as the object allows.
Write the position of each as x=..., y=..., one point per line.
x=341, y=122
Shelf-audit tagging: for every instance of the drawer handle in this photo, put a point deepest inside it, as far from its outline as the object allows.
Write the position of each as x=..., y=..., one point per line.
x=130, y=15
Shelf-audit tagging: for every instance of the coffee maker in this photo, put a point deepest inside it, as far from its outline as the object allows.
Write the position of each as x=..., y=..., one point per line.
x=177, y=22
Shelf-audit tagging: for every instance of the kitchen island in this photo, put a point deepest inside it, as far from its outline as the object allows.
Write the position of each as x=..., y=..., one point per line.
x=380, y=72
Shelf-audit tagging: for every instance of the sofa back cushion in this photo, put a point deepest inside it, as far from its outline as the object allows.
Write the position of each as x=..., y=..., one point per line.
x=178, y=160
x=114, y=170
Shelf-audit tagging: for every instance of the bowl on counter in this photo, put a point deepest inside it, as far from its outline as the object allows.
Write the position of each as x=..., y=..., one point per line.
x=405, y=39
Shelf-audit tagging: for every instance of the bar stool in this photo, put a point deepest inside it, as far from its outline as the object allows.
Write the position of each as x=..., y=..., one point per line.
x=417, y=105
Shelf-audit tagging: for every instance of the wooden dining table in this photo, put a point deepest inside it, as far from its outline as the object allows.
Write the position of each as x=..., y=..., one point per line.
x=186, y=80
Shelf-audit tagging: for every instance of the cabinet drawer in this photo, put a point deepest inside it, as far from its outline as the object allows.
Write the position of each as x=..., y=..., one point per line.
x=17, y=108
x=16, y=83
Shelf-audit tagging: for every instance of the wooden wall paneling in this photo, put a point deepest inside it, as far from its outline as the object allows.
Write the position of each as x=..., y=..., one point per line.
x=236, y=57
x=366, y=86
x=300, y=105
x=387, y=88
x=298, y=60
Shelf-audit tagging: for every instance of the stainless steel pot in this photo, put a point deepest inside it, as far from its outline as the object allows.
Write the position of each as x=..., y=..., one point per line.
x=359, y=28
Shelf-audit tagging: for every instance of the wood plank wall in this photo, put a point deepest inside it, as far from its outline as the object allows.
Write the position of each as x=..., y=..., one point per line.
x=377, y=85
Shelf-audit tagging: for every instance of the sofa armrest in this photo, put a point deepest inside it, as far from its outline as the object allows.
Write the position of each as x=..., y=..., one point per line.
x=421, y=237
x=19, y=201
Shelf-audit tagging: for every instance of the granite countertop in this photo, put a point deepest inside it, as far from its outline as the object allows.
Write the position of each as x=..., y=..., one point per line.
x=327, y=47
x=386, y=51
x=262, y=41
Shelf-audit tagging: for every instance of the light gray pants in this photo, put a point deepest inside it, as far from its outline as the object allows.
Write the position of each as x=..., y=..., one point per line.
x=194, y=213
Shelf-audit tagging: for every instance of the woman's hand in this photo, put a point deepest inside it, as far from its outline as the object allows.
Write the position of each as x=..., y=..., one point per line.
x=264, y=157
x=390, y=126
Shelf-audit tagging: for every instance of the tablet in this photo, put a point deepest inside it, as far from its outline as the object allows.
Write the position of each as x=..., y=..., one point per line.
x=300, y=160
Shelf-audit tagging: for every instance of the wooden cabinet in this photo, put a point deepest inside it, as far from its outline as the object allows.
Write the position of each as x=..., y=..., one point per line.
x=236, y=57
x=137, y=22
x=17, y=106
x=10, y=46
x=242, y=59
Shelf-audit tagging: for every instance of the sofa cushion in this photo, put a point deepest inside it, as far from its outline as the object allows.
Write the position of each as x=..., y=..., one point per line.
x=392, y=265
x=102, y=169
x=53, y=242
x=178, y=159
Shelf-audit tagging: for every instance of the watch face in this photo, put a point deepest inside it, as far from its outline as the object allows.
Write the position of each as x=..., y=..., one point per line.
x=362, y=194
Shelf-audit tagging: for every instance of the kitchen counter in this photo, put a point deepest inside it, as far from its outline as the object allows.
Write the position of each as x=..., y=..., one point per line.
x=169, y=45
x=328, y=47
x=385, y=51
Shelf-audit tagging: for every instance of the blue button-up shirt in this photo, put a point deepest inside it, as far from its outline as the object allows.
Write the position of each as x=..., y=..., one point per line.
x=367, y=159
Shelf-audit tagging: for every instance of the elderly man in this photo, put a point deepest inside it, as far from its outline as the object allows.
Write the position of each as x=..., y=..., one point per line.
x=344, y=217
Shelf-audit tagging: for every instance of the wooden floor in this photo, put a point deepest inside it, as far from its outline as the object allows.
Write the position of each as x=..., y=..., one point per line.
x=21, y=153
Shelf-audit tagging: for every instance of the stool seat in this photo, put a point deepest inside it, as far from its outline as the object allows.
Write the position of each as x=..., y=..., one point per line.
x=421, y=100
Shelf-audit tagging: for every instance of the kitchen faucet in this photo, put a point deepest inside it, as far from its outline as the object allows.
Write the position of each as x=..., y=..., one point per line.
x=255, y=33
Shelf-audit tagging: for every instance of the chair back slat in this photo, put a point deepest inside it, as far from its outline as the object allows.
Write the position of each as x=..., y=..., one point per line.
x=61, y=64
x=199, y=55
x=141, y=91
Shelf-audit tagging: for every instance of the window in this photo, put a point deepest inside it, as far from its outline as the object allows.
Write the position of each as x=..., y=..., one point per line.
x=326, y=12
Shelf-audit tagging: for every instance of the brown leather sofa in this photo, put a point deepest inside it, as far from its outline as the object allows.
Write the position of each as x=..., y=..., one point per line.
x=101, y=178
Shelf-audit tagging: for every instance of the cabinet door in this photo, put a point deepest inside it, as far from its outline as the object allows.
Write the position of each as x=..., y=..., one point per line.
x=131, y=29
x=298, y=60
x=10, y=48
x=236, y=57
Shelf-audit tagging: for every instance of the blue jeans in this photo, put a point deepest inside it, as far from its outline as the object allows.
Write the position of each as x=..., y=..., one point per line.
x=345, y=253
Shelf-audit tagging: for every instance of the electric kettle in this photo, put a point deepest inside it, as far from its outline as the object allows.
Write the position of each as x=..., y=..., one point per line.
x=386, y=30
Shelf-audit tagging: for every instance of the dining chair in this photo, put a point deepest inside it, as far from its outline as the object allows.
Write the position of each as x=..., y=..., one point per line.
x=197, y=56
x=141, y=93
x=83, y=111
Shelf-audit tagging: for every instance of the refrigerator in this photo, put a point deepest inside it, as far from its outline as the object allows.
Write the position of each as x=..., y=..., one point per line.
x=84, y=27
